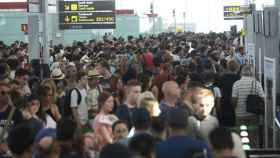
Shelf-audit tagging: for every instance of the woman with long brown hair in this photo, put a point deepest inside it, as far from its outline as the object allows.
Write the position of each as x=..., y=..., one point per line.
x=48, y=111
x=104, y=120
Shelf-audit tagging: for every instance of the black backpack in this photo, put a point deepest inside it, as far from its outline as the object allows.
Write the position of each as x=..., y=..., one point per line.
x=67, y=102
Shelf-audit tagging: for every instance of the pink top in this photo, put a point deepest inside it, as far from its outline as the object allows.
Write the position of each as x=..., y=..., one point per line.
x=102, y=120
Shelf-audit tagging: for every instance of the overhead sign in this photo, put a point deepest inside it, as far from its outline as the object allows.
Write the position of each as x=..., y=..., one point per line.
x=87, y=14
x=236, y=12
x=34, y=6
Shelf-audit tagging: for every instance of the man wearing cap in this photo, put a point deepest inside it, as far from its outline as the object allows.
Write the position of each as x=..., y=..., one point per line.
x=178, y=143
x=58, y=77
x=93, y=92
x=57, y=74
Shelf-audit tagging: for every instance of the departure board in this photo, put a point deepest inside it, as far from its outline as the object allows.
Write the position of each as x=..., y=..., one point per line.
x=236, y=12
x=87, y=14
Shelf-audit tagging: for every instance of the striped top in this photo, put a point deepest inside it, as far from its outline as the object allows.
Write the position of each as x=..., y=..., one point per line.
x=241, y=89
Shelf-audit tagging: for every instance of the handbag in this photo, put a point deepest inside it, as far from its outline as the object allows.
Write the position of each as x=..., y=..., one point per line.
x=254, y=103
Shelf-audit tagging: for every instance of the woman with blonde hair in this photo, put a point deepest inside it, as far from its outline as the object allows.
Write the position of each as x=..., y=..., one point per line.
x=151, y=105
x=51, y=84
x=147, y=100
x=146, y=94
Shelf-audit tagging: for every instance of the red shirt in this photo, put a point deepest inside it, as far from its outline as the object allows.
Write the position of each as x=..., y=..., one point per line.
x=149, y=60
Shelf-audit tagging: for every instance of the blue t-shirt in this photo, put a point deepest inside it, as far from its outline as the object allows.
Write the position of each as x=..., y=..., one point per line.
x=165, y=108
x=125, y=114
x=179, y=146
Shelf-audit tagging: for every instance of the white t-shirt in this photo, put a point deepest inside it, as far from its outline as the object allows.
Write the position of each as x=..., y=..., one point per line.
x=82, y=107
x=50, y=123
x=175, y=57
x=12, y=74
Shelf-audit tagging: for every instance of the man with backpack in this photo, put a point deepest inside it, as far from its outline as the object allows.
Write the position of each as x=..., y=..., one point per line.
x=75, y=103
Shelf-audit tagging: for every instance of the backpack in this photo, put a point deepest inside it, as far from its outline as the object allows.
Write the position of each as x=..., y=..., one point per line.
x=67, y=102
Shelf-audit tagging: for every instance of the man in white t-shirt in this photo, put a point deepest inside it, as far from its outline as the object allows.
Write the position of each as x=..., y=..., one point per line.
x=78, y=100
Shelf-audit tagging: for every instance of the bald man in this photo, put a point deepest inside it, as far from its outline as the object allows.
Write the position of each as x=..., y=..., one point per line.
x=171, y=92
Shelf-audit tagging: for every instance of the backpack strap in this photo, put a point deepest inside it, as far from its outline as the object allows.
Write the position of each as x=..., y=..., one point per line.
x=79, y=95
x=211, y=87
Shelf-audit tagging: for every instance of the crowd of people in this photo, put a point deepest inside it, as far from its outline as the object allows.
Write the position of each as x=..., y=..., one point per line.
x=171, y=95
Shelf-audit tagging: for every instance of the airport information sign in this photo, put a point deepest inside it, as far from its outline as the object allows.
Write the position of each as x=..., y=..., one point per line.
x=87, y=14
x=236, y=12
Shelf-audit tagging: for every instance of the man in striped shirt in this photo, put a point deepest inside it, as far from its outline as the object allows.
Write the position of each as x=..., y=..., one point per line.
x=241, y=89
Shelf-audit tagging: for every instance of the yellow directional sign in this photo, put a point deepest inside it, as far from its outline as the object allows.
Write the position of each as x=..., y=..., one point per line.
x=243, y=32
x=74, y=7
x=87, y=14
x=67, y=19
x=179, y=29
x=66, y=7
x=74, y=18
